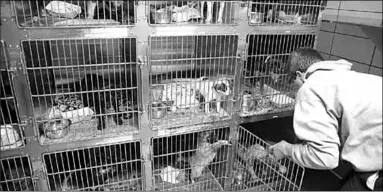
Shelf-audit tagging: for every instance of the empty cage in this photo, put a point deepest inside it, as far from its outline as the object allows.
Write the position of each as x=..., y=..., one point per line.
x=193, y=12
x=192, y=79
x=73, y=13
x=256, y=169
x=12, y=131
x=16, y=174
x=191, y=161
x=267, y=84
x=291, y=12
x=116, y=167
x=83, y=88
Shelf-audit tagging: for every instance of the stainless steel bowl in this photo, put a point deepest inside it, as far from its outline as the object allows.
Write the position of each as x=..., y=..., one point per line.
x=158, y=110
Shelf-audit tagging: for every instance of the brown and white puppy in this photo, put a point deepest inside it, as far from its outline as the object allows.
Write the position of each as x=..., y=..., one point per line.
x=213, y=90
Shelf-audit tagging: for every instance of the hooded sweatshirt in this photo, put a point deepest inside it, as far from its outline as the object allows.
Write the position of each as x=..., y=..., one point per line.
x=338, y=111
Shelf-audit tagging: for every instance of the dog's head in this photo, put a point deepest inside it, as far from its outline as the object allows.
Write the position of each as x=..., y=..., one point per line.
x=223, y=86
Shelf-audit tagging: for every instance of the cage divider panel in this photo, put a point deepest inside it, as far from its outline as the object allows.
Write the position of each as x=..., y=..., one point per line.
x=16, y=174
x=105, y=167
x=177, y=64
x=12, y=130
x=74, y=14
x=89, y=84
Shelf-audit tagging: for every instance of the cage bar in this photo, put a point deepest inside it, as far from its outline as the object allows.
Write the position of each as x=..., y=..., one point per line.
x=12, y=131
x=287, y=12
x=83, y=88
x=255, y=169
x=193, y=12
x=16, y=174
x=74, y=13
x=191, y=161
x=267, y=84
x=116, y=167
x=192, y=79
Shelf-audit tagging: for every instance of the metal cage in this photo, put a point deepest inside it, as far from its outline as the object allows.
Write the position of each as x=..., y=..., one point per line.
x=267, y=84
x=12, y=131
x=117, y=167
x=83, y=88
x=16, y=174
x=255, y=169
x=282, y=13
x=163, y=13
x=192, y=161
x=192, y=79
x=74, y=13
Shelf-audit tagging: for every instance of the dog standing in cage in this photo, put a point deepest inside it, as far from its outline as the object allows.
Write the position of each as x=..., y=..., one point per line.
x=213, y=90
x=204, y=155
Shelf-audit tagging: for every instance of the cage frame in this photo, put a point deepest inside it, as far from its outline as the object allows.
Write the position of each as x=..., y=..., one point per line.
x=262, y=142
x=31, y=170
x=195, y=129
x=199, y=24
x=250, y=3
x=14, y=12
x=138, y=78
x=277, y=112
x=140, y=160
x=237, y=58
x=12, y=33
x=21, y=126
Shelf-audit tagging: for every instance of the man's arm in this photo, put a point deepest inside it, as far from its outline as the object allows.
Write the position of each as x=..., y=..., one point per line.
x=317, y=127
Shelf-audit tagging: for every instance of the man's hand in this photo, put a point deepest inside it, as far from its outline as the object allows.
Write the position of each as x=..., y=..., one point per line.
x=281, y=150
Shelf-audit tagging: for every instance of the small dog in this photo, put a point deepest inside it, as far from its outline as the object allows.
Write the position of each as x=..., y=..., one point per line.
x=210, y=10
x=213, y=90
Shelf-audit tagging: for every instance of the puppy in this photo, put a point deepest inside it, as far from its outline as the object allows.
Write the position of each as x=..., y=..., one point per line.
x=210, y=10
x=213, y=90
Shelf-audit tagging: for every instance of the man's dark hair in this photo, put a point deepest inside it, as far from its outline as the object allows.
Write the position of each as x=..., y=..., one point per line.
x=302, y=58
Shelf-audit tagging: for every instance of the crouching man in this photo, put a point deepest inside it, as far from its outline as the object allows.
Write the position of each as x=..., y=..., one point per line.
x=338, y=113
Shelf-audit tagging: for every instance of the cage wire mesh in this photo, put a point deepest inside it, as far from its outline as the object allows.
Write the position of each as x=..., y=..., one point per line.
x=12, y=131
x=191, y=161
x=193, y=12
x=192, y=79
x=267, y=83
x=83, y=88
x=255, y=169
x=72, y=13
x=16, y=174
x=290, y=12
x=116, y=167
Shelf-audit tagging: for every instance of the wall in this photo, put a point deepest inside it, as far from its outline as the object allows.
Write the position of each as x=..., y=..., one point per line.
x=350, y=42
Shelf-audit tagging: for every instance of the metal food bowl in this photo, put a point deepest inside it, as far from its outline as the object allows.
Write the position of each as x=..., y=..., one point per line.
x=56, y=129
x=158, y=110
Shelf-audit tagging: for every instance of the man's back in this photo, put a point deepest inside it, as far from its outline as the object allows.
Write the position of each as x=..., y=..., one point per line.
x=355, y=100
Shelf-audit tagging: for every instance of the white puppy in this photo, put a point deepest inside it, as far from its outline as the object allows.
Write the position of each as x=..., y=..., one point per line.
x=210, y=10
